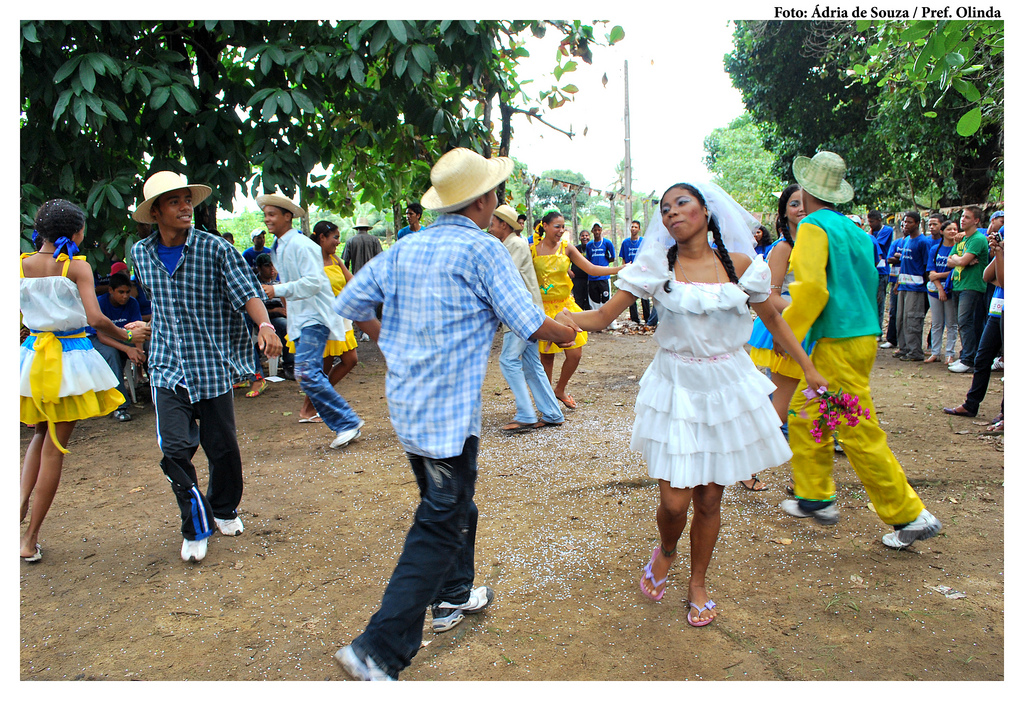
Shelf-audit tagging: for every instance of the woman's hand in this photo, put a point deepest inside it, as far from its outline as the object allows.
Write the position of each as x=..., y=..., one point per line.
x=564, y=317
x=815, y=380
x=140, y=331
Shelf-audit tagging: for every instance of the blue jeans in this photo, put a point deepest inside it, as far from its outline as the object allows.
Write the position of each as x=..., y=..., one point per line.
x=971, y=315
x=436, y=564
x=520, y=365
x=309, y=371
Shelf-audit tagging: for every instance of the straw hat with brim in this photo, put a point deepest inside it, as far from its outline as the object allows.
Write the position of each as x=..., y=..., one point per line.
x=160, y=183
x=509, y=216
x=280, y=201
x=462, y=175
x=362, y=223
x=823, y=176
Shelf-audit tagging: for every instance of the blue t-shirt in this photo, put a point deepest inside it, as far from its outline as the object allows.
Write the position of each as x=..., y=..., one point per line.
x=119, y=315
x=600, y=253
x=169, y=255
x=405, y=231
x=914, y=263
x=894, y=270
x=884, y=236
x=996, y=306
x=250, y=255
x=145, y=306
x=629, y=248
x=937, y=264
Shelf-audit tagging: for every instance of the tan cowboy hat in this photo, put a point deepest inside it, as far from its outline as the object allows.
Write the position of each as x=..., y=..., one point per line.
x=160, y=183
x=280, y=201
x=509, y=216
x=462, y=175
x=823, y=176
x=362, y=223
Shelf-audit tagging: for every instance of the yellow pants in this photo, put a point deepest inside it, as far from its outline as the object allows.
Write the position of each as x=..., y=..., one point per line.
x=846, y=364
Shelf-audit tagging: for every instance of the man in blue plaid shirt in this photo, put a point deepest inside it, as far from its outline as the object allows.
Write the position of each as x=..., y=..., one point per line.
x=198, y=284
x=444, y=292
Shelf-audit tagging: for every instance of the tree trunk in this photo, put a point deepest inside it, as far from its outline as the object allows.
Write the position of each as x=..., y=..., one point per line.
x=505, y=143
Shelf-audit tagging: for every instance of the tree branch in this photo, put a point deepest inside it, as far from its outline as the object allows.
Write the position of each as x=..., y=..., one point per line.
x=541, y=120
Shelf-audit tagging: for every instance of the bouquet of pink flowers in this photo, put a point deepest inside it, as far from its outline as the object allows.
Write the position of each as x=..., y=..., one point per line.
x=834, y=407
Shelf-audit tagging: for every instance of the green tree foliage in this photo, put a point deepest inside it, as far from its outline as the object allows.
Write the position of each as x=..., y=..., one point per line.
x=802, y=85
x=550, y=195
x=741, y=166
x=257, y=104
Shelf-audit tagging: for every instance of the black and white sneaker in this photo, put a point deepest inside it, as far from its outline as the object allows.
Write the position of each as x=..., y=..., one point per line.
x=446, y=616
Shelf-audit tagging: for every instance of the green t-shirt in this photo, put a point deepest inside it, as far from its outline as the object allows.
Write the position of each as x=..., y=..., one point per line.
x=970, y=277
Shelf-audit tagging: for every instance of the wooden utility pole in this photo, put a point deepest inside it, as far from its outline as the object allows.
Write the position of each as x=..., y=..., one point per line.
x=629, y=168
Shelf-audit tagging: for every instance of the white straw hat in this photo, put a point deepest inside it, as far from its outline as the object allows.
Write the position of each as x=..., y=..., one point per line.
x=160, y=183
x=509, y=216
x=362, y=223
x=462, y=175
x=823, y=176
x=280, y=201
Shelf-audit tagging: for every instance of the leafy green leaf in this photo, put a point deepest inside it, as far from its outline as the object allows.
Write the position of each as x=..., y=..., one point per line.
x=969, y=123
x=160, y=95
x=269, y=107
x=28, y=31
x=114, y=197
x=62, y=104
x=67, y=69
x=284, y=101
x=303, y=101
x=397, y=28
x=954, y=60
x=917, y=30
x=617, y=34
x=931, y=115
x=183, y=98
x=355, y=67
x=968, y=90
x=571, y=89
x=78, y=109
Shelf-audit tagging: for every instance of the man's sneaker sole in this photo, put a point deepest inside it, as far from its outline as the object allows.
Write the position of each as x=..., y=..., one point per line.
x=453, y=614
x=358, y=669
x=928, y=529
x=448, y=621
x=829, y=516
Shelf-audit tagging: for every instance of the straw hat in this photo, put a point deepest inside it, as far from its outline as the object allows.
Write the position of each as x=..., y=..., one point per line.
x=823, y=176
x=160, y=183
x=462, y=175
x=282, y=202
x=508, y=215
x=362, y=223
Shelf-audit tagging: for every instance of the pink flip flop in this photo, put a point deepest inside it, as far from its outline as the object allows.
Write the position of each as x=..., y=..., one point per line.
x=700, y=609
x=649, y=575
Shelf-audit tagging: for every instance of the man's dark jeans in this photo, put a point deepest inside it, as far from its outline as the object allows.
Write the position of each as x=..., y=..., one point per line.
x=436, y=564
x=970, y=318
x=988, y=350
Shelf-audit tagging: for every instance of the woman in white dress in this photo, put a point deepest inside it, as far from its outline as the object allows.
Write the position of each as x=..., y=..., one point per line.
x=63, y=379
x=703, y=415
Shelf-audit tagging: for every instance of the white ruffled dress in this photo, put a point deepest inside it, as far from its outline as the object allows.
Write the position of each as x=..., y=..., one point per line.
x=703, y=412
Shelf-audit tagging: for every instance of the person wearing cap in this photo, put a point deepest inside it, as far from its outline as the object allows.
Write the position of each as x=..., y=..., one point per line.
x=436, y=346
x=414, y=212
x=362, y=247
x=833, y=304
x=198, y=284
x=259, y=238
x=307, y=290
x=627, y=252
x=520, y=360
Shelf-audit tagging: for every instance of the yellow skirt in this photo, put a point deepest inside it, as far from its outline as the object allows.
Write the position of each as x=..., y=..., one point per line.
x=333, y=348
x=552, y=309
x=780, y=364
x=73, y=408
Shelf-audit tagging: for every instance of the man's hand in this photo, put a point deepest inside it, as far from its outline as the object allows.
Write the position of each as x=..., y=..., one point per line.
x=140, y=331
x=268, y=342
x=136, y=355
x=268, y=290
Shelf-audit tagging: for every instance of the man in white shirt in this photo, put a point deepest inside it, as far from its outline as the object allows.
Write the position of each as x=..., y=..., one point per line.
x=305, y=285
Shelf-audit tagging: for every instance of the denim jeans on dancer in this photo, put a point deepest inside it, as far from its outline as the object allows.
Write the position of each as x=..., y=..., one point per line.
x=309, y=371
x=436, y=564
x=521, y=368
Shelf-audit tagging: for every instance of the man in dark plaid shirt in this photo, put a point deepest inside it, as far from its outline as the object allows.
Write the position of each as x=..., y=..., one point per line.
x=199, y=284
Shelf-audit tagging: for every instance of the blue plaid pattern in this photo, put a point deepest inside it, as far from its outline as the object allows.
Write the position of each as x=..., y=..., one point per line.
x=199, y=337
x=444, y=290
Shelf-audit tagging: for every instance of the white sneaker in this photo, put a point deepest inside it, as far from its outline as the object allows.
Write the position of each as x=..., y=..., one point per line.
x=193, y=550
x=921, y=528
x=959, y=366
x=230, y=526
x=829, y=516
x=886, y=344
x=347, y=436
x=362, y=669
x=446, y=616
x=997, y=364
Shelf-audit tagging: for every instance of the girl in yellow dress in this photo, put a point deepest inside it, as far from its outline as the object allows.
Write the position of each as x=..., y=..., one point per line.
x=62, y=377
x=341, y=344
x=551, y=259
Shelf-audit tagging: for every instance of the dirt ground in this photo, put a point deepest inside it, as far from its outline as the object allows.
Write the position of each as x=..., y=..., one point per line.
x=566, y=524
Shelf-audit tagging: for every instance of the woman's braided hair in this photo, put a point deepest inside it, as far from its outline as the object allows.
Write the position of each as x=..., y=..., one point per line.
x=713, y=227
x=58, y=218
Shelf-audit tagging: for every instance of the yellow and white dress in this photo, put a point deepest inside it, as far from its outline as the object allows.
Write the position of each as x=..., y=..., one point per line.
x=556, y=290
x=63, y=378
x=342, y=337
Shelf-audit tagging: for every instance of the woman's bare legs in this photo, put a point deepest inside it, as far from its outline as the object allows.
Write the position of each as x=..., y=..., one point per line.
x=569, y=365
x=40, y=478
x=785, y=386
x=707, y=520
x=671, y=517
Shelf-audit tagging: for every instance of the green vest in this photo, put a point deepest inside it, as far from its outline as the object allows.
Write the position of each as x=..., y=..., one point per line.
x=852, y=308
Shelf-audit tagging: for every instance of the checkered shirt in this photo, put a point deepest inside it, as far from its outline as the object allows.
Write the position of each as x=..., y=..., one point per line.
x=199, y=337
x=444, y=291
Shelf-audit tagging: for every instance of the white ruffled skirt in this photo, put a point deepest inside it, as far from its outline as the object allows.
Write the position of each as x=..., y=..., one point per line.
x=703, y=420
